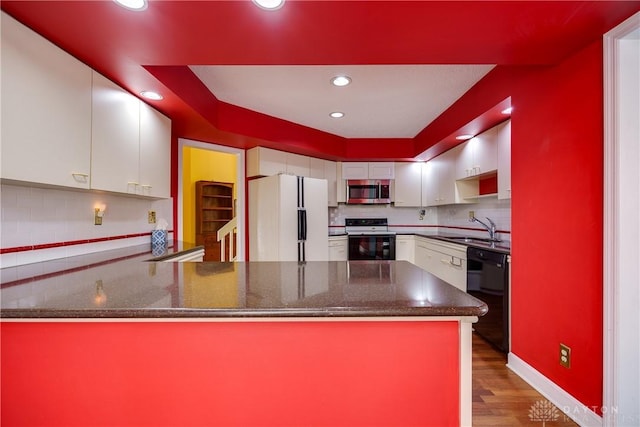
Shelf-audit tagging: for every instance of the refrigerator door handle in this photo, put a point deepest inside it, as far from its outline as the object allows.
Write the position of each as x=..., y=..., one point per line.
x=302, y=224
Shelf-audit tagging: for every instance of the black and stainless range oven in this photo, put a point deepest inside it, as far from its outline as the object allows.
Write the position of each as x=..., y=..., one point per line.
x=370, y=239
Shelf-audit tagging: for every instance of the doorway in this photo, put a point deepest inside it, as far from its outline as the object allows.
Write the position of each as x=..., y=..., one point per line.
x=203, y=161
x=622, y=224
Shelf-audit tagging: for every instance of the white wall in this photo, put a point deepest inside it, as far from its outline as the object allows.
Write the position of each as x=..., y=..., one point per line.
x=34, y=216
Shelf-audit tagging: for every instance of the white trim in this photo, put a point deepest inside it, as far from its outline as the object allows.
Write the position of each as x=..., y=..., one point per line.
x=465, y=363
x=241, y=198
x=615, y=288
x=568, y=404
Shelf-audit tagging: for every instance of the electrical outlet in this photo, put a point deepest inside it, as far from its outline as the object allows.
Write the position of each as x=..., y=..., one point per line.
x=472, y=214
x=97, y=218
x=565, y=356
x=152, y=217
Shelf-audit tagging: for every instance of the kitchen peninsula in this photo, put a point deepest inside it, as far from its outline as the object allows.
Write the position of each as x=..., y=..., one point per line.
x=128, y=342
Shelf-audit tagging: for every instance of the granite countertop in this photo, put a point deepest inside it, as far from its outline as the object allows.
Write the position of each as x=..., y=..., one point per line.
x=503, y=246
x=127, y=287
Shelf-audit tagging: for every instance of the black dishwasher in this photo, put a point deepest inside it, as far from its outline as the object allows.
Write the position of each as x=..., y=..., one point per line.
x=488, y=280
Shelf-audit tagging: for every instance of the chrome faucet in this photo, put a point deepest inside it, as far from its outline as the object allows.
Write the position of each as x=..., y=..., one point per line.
x=490, y=228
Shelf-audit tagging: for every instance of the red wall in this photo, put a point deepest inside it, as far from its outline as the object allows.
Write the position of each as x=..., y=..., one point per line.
x=230, y=374
x=557, y=181
x=556, y=210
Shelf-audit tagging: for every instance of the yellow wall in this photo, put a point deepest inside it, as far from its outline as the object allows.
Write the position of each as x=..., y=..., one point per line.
x=202, y=165
x=211, y=286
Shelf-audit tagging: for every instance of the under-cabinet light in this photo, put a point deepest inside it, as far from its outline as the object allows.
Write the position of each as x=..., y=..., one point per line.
x=337, y=114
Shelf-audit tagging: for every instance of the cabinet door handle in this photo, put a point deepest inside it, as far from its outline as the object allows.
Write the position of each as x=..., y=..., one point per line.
x=132, y=183
x=79, y=176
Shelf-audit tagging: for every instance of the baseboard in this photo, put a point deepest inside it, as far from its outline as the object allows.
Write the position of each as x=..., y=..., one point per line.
x=568, y=404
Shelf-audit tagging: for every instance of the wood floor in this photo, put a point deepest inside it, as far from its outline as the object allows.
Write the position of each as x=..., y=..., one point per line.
x=501, y=398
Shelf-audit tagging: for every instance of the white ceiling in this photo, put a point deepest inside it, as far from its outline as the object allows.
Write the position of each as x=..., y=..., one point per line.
x=383, y=101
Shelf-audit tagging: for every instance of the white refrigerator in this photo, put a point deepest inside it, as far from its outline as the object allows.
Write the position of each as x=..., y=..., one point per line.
x=288, y=219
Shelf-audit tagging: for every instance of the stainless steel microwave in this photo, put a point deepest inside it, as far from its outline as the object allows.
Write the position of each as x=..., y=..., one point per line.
x=368, y=191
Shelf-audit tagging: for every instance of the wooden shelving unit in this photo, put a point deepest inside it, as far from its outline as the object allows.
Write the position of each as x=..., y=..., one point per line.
x=214, y=208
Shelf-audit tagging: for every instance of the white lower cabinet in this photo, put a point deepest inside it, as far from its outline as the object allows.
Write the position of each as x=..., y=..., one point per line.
x=406, y=248
x=447, y=261
x=338, y=248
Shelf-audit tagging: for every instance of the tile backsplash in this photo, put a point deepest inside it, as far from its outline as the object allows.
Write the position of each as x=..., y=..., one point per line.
x=445, y=216
x=38, y=216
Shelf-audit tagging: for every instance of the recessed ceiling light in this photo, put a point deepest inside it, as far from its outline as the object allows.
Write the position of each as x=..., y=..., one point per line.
x=463, y=137
x=269, y=4
x=155, y=96
x=337, y=114
x=133, y=4
x=341, y=80
x=507, y=111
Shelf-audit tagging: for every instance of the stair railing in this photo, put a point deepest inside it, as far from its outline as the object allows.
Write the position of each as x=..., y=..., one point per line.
x=229, y=229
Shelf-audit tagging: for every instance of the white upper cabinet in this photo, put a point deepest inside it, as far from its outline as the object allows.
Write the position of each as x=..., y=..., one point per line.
x=341, y=190
x=316, y=168
x=131, y=143
x=155, y=153
x=265, y=162
x=478, y=156
x=438, y=179
x=504, y=160
x=408, y=184
x=46, y=111
x=368, y=170
x=355, y=170
x=331, y=175
x=115, y=153
x=297, y=164
x=63, y=124
x=381, y=170
x=325, y=169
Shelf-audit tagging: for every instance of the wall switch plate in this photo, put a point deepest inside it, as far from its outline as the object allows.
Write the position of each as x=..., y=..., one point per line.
x=152, y=217
x=565, y=356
